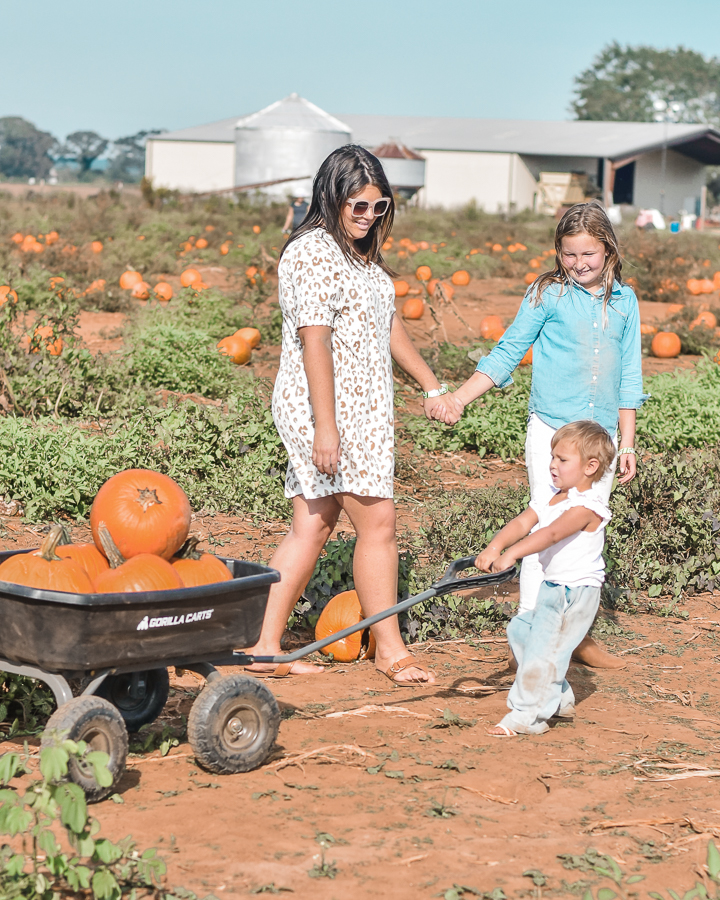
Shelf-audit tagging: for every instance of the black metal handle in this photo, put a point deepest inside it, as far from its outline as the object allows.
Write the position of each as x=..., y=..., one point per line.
x=451, y=582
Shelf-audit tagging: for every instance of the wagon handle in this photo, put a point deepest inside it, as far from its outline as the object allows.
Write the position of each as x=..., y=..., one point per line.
x=451, y=582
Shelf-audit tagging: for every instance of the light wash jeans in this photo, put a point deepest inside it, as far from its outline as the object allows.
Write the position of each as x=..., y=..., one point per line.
x=538, y=454
x=542, y=641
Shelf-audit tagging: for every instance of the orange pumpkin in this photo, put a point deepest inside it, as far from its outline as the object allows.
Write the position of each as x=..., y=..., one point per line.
x=190, y=276
x=55, y=281
x=647, y=329
x=225, y=248
x=7, y=293
x=199, y=286
x=496, y=334
x=527, y=359
x=210, y=228
x=44, y=569
x=196, y=568
x=674, y=308
x=143, y=511
x=237, y=348
x=201, y=243
x=129, y=279
x=256, y=229
x=530, y=277
x=497, y=248
x=342, y=611
x=95, y=287
x=144, y=572
x=489, y=324
x=432, y=285
x=140, y=290
x=96, y=247
x=51, y=237
x=251, y=335
x=423, y=273
x=401, y=288
x=163, y=291
x=705, y=319
x=387, y=245
x=43, y=337
x=461, y=277
x=86, y=555
x=666, y=345
x=445, y=291
x=17, y=238
x=413, y=308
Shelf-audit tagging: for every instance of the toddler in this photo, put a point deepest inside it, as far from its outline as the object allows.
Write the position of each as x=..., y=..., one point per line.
x=568, y=534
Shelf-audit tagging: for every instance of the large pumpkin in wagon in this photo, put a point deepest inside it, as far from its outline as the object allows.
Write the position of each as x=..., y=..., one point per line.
x=342, y=611
x=144, y=512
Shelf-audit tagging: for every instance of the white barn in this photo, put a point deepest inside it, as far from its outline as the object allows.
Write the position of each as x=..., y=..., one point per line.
x=497, y=163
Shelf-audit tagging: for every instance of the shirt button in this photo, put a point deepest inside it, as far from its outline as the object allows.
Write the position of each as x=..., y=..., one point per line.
x=594, y=324
x=590, y=405
x=594, y=377
x=595, y=351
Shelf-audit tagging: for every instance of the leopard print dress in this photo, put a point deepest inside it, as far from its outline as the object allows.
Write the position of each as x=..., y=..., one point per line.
x=319, y=286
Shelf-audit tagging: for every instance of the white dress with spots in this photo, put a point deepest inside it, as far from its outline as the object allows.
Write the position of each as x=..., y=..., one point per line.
x=319, y=286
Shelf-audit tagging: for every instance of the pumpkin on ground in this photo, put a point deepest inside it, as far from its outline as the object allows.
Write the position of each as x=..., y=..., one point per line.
x=423, y=273
x=201, y=243
x=413, y=308
x=46, y=570
x=96, y=286
x=7, y=293
x=401, y=288
x=143, y=511
x=140, y=290
x=666, y=345
x=530, y=277
x=461, y=277
x=527, y=359
x=251, y=335
x=490, y=324
x=342, y=611
x=444, y=291
x=237, y=348
x=163, y=291
x=96, y=247
x=86, y=555
x=705, y=318
x=196, y=568
x=129, y=279
x=647, y=329
x=43, y=337
x=190, y=276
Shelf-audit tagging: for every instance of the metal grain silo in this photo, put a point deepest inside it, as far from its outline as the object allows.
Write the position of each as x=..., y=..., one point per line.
x=288, y=139
x=405, y=169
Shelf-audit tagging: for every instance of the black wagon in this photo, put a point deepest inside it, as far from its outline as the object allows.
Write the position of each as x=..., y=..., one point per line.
x=117, y=647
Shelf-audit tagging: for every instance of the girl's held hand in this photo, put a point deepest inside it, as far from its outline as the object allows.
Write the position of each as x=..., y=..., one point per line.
x=505, y=561
x=628, y=468
x=326, y=449
x=484, y=560
x=446, y=408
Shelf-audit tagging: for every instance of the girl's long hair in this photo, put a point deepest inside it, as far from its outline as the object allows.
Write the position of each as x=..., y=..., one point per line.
x=583, y=218
x=341, y=176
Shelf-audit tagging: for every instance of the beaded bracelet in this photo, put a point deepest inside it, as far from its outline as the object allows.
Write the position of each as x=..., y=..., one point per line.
x=627, y=450
x=438, y=392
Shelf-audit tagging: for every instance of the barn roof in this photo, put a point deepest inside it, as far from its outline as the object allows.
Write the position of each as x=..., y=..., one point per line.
x=613, y=140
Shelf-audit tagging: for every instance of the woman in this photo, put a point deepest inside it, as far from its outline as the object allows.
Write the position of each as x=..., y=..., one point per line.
x=333, y=400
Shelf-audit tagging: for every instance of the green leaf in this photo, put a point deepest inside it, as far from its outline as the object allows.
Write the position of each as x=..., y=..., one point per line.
x=634, y=879
x=73, y=806
x=99, y=762
x=53, y=763
x=105, y=886
x=10, y=765
x=713, y=860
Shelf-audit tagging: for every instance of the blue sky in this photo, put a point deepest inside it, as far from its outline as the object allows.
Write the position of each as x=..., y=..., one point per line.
x=117, y=68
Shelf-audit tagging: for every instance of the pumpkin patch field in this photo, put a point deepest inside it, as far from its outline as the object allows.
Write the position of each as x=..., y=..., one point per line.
x=142, y=335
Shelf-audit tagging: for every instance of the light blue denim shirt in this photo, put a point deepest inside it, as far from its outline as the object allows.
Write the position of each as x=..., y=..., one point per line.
x=580, y=369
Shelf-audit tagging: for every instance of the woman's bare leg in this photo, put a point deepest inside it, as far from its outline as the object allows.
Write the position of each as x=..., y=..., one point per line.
x=295, y=558
x=375, y=571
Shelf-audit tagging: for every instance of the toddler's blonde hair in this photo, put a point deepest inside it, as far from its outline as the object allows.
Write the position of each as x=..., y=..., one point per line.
x=592, y=442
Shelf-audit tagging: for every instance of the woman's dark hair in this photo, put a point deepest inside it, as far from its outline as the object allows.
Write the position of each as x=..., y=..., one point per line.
x=341, y=176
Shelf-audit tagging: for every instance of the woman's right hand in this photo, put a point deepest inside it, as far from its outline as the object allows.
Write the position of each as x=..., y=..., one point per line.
x=326, y=449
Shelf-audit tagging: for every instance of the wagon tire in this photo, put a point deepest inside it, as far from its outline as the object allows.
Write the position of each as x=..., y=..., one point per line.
x=233, y=724
x=152, y=689
x=97, y=722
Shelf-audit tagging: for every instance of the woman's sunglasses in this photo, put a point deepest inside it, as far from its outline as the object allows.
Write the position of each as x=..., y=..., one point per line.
x=359, y=208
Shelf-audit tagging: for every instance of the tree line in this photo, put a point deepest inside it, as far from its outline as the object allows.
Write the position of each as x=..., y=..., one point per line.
x=28, y=152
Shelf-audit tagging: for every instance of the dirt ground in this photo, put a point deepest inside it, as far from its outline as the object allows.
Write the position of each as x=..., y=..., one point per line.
x=375, y=790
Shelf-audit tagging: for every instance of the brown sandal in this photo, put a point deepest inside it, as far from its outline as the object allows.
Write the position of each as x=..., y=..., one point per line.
x=282, y=670
x=407, y=662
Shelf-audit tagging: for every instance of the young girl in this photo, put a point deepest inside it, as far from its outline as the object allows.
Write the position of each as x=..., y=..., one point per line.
x=567, y=534
x=584, y=327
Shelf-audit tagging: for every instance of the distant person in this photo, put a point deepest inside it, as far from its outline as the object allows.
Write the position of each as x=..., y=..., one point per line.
x=295, y=215
x=567, y=532
x=333, y=402
x=583, y=324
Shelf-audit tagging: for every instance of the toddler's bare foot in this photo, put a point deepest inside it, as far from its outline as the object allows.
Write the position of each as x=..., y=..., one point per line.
x=592, y=654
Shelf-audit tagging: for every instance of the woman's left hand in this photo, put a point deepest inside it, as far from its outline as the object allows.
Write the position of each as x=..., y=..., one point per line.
x=628, y=468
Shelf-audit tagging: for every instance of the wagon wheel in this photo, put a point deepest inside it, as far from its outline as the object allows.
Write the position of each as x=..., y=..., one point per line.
x=97, y=722
x=140, y=696
x=233, y=724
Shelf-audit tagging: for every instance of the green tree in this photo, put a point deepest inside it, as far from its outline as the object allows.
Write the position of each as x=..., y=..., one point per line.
x=84, y=147
x=128, y=160
x=623, y=83
x=25, y=151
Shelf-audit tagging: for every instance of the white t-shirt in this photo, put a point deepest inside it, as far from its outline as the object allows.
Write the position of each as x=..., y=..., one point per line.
x=575, y=560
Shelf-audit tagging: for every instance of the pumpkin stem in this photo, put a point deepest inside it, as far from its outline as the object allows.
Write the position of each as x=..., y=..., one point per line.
x=189, y=549
x=109, y=547
x=50, y=544
x=64, y=537
x=147, y=497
